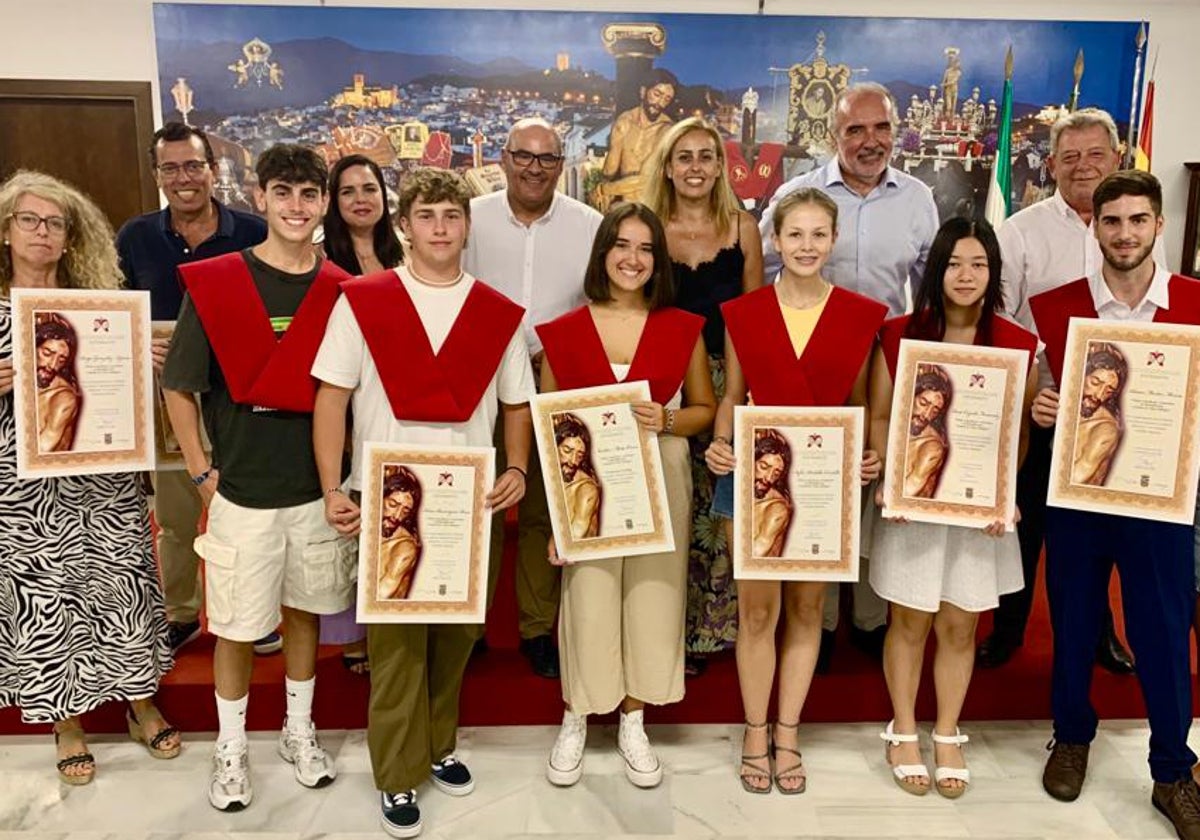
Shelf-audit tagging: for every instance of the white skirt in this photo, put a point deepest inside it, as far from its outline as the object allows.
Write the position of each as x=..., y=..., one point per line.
x=920, y=565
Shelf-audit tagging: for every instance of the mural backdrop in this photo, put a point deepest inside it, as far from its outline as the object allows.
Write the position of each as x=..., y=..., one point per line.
x=412, y=87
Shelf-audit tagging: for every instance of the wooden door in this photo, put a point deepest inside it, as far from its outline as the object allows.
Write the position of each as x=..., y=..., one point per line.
x=92, y=134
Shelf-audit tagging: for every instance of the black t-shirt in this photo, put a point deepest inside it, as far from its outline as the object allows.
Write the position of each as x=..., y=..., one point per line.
x=265, y=456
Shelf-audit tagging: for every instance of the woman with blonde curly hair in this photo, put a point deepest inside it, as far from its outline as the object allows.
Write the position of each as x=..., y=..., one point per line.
x=716, y=255
x=81, y=611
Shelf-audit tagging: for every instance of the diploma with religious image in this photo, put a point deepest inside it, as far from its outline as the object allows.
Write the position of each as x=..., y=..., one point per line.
x=423, y=548
x=1127, y=440
x=954, y=434
x=797, y=493
x=84, y=394
x=603, y=473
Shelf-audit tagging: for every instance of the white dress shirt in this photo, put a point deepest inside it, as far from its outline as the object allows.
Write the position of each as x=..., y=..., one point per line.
x=539, y=266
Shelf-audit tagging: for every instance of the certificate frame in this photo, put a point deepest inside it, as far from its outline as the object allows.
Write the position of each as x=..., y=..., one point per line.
x=835, y=557
x=451, y=560
x=976, y=484
x=106, y=382
x=620, y=453
x=1152, y=473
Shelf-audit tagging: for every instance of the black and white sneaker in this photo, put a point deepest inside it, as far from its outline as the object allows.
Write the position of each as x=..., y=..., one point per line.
x=399, y=813
x=452, y=776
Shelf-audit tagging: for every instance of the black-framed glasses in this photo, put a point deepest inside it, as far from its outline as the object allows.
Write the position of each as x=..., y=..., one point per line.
x=27, y=221
x=522, y=158
x=194, y=169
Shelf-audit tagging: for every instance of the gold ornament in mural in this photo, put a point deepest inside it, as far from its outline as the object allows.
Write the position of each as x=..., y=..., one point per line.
x=256, y=66
x=813, y=88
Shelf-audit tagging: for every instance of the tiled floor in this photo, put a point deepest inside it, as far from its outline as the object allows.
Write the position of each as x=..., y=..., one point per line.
x=849, y=791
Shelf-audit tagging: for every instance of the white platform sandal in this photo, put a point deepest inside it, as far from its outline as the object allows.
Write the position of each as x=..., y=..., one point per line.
x=943, y=774
x=901, y=773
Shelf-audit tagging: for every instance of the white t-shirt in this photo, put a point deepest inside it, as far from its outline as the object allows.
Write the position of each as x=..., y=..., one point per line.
x=343, y=360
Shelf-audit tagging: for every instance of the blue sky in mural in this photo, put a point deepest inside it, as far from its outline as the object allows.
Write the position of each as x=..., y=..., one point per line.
x=727, y=51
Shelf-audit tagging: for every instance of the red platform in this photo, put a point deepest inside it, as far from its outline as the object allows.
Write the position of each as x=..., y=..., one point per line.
x=500, y=689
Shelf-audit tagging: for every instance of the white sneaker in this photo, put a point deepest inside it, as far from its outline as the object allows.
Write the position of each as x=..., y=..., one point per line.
x=565, y=765
x=229, y=789
x=299, y=747
x=641, y=764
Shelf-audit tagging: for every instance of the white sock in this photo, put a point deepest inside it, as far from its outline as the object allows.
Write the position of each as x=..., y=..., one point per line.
x=299, y=701
x=231, y=715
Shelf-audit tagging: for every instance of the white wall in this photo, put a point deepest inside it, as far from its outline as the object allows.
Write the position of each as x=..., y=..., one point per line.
x=114, y=40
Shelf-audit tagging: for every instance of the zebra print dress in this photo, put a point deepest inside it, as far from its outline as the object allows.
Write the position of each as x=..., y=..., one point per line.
x=81, y=609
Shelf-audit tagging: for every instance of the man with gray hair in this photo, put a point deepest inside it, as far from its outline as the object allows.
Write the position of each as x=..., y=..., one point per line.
x=532, y=243
x=886, y=223
x=1044, y=246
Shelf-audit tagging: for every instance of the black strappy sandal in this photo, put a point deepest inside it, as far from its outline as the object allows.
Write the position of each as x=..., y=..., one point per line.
x=153, y=745
x=796, y=771
x=756, y=772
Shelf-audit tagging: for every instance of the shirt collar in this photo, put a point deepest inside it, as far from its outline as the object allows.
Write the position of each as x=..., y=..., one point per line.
x=1158, y=293
x=833, y=174
x=225, y=220
x=1065, y=210
x=540, y=220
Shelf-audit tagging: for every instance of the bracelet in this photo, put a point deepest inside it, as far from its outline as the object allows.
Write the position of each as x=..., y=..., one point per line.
x=335, y=490
x=203, y=477
x=669, y=424
x=722, y=439
x=518, y=469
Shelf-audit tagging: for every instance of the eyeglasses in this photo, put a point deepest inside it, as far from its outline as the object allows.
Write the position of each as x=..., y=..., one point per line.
x=523, y=158
x=30, y=222
x=194, y=169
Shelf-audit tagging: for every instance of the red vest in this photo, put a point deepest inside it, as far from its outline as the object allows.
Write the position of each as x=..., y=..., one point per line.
x=442, y=387
x=1004, y=334
x=824, y=375
x=576, y=354
x=258, y=368
x=1053, y=310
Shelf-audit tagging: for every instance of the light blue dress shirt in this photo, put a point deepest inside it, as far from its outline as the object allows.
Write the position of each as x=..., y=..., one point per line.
x=883, y=238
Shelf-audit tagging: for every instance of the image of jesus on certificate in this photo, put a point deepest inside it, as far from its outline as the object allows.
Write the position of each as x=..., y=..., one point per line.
x=580, y=484
x=1099, y=432
x=928, y=442
x=772, y=496
x=400, y=546
x=58, y=395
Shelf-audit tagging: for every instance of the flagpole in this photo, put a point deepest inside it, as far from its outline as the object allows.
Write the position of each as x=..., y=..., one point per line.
x=1074, y=103
x=1131, y=135
x=999, y=195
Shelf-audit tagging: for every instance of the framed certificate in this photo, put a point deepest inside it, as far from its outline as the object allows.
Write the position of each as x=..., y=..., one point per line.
x=84, y=394
x=954, y=434
x=167, y=453
x=603, y=474
x=1127, y=439
x=423, y=548
x=797, y=493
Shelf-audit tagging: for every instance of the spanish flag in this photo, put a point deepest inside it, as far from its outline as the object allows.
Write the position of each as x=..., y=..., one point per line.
x=1142, y=157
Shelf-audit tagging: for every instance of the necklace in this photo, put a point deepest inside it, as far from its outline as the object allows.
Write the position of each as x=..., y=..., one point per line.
x=440, y=284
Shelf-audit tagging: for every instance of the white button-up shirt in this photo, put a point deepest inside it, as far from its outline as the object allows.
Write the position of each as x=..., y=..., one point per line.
x=539, y=266
x=1111, y=309
x=883, y=237
x=1044, y=246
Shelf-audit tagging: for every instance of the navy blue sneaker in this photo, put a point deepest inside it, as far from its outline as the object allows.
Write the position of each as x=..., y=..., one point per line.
x=179, y=633
x=399, y=813
x=452, y=776
x=268, y=644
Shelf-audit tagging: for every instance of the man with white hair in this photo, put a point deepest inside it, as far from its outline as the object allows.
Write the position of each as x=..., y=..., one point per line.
x=1044, y=246
x=886, y=223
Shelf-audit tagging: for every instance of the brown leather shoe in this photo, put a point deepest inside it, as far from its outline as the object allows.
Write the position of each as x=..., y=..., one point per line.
x=1065, y=770
x=1180, y=803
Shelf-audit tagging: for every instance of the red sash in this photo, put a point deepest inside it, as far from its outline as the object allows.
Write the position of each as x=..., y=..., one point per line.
x=258, y=368
x=1053, y=310
x=1004, y=334
x=757, y=180
x=576, y=353
x=423, y=386
x=825, y=373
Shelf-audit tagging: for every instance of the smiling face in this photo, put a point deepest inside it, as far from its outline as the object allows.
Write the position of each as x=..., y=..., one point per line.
x=1126, y=228
x=767, y=471
x=805, y=240
x=966, y=278
x=438, y=234
x=531, y=187
x=927, y=405
x=187, y=192
x=396, y=509
x=630, y=261
x=42, y=247
x=292, y=211
x=863, y=128
x=1084, y=157
x=694, y=165
x=359, y=198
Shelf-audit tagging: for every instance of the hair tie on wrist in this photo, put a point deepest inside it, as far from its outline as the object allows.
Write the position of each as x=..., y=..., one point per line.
x=518, y=469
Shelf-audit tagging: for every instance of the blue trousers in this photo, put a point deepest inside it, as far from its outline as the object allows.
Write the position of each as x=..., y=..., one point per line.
x=1158, y=593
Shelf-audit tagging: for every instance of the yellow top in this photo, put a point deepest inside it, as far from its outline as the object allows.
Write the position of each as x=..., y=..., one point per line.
x=801, y=322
